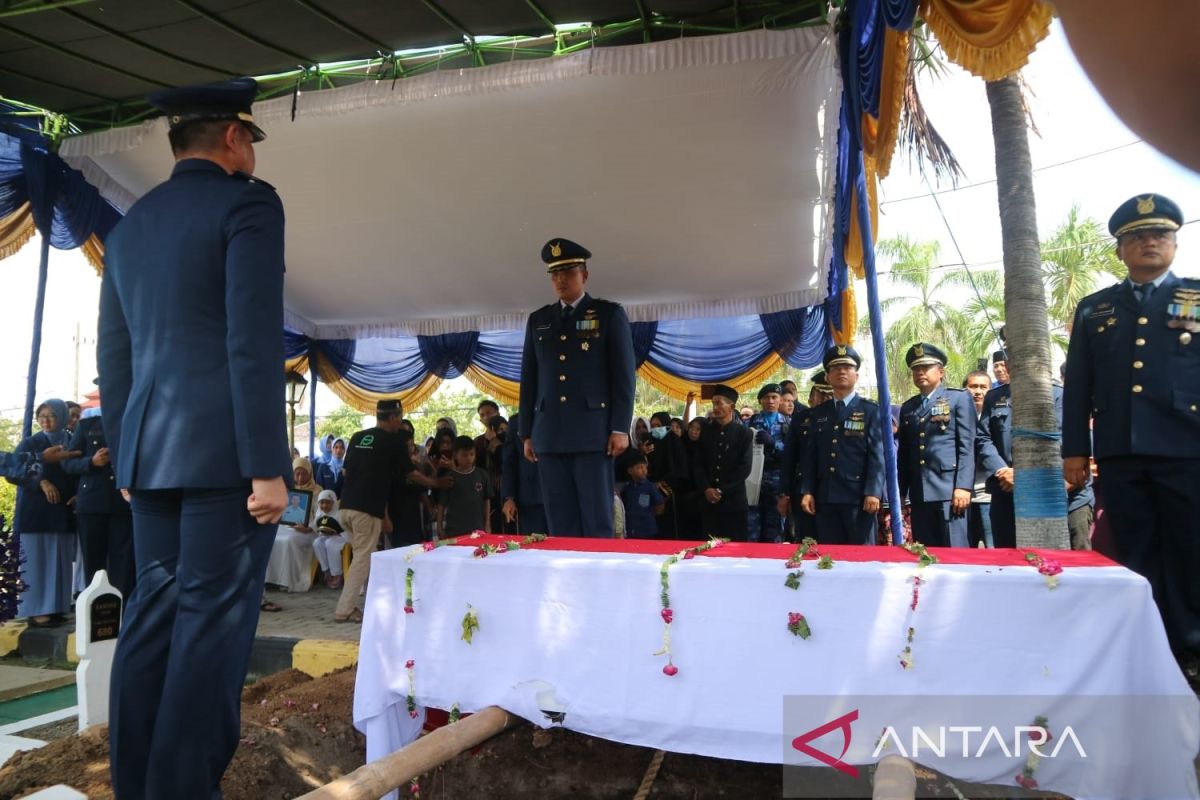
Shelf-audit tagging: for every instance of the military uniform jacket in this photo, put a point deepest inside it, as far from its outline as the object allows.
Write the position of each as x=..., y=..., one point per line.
x=993, y=441
x=577, y=379
x=791, y=467
x=190, y=353
x=844, y=455
x=97, y=492
x=936, y=452
x=772, y=454
x=1136, y=369
x=723, y=462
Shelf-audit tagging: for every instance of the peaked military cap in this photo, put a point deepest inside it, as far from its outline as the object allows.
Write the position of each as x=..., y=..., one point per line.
x=564, y=254
x=1145, y=212
x=999, y=357
x=728, y=392
x=768, y=389
x=841, y=354
x=820, y=382
x=228, y=100
x=388, y=406
x=923, y=354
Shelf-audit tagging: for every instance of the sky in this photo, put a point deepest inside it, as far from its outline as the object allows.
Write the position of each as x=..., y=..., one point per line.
x=1083, y=155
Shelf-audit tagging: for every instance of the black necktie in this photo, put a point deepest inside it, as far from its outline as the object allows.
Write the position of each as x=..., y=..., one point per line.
x=1144, y=292
x=566, y=314
x=841, y=409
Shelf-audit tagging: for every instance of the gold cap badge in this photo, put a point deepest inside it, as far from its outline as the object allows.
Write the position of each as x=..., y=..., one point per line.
x=555, y=250
x=1145, y=205
x=841, y=351
x=918, y=351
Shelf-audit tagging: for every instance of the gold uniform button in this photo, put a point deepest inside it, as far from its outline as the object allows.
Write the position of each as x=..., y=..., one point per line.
x=562, y=358
x=1142, y=320
x=831, y=469
x=1140, y=342
x=922, y=447
x=1137, y=388
x=922, y=461
x=562, y=399
x=834, y=441
x=833, y=455
x=562, y=377
x=1192, y=407
x=602, y=405
x=562, y=338
x=1138, y=365
x=1099, y=329
x=922, y=434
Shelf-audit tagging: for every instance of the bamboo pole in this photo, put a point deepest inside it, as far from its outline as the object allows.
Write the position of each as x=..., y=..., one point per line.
x=376, y=779
x=895, y=779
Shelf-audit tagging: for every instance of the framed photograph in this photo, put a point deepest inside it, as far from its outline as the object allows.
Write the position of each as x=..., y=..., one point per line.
x=299, y=508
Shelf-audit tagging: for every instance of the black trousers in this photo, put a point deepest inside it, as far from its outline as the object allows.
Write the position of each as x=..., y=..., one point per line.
x=725, y=524
x=107, y=544
x=844, y=523
x=1153, y=508
x=184, y=648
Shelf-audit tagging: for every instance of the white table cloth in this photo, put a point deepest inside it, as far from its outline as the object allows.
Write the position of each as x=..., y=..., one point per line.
x=291, y=559
x=582, y=627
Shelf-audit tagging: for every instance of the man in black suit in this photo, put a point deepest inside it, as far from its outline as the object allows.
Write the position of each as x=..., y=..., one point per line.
x=722, y=467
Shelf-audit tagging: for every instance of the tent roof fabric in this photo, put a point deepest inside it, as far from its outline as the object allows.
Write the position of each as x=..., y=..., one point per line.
x=699, y=171
x=95, y=61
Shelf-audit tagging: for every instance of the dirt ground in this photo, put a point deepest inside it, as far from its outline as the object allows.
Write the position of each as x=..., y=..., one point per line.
x=297, y=734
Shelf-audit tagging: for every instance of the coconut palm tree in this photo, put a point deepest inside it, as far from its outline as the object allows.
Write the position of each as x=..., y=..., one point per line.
x=1041, y=514
x=1074, y=259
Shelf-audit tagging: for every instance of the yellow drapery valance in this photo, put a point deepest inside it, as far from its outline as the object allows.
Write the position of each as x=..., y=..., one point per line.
x=16, y=230
x=988, y=38
x=879, y=135
x=680, y=388
x=845, y=334
x=501, y=389
x=364, y=400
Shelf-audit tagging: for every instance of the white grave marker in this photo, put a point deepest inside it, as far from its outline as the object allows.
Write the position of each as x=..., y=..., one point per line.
x=97, y=623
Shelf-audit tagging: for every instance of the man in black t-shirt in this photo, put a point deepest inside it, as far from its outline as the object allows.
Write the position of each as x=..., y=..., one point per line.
x=374, y=458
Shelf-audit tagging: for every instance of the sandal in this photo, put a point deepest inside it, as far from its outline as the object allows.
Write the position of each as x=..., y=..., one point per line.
x=267, y=605
x=355, y=616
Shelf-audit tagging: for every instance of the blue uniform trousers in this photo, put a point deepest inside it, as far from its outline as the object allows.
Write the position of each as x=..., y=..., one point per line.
x=1154, y=516
x=1004, y=521
x=763, y=523
x=933, y=525
x=531, y=519
x=185, y=641
x=106, y=541
x=844, y=523
x=577, y=493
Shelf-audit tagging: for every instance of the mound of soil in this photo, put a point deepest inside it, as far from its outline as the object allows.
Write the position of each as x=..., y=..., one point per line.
x=297, y=734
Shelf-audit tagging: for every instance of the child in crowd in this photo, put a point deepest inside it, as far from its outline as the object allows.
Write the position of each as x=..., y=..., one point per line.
x=465, y=507
x=642, y=500
x=330, y=539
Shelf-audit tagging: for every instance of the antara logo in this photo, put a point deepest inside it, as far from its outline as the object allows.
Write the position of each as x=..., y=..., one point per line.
x=842, y=723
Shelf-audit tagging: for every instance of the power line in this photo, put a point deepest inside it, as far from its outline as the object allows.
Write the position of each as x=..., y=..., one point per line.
x=993, y=180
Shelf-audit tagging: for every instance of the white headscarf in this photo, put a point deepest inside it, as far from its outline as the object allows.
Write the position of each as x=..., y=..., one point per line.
x=328, y=494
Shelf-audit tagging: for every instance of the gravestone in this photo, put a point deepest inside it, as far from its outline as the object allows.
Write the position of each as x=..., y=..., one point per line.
x=97, y=624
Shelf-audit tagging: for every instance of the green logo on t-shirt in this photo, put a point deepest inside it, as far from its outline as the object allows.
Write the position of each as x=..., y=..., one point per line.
x=367, y=440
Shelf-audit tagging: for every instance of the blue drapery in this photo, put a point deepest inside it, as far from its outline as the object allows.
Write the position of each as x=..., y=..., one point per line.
x=66, y=209
x=697, y=350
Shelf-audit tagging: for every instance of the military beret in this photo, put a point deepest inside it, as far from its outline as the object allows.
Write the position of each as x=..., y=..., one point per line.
x=768, y=389
x=389, y=406
x=820, y=382
x=228, y=100
x=564, y=254
x=728, y=392
x=923, y=354
x=1145, y=212
x=999, y=357
x=841, y=354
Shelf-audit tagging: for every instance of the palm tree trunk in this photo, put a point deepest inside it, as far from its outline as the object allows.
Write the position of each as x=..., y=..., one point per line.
x=1040, y=496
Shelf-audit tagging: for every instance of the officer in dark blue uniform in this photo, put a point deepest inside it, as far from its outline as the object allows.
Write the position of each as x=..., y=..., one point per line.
x=993, y=454
x=764, y=523
x=102, y=513
x=842, y=482
x=190, y=355
x=936, y=451
x=791, y=469
x=1133, y=366
x=577, y=381
x=23, y=466
x=520, y=486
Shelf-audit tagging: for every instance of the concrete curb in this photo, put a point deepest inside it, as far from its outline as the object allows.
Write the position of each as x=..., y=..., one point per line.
x=270, y=654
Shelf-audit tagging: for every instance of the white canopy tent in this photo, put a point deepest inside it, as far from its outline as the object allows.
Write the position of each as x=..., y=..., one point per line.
x=699, y=172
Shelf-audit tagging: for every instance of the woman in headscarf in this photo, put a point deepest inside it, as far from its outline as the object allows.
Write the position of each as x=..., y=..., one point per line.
x=691, y=502
x=446, y=424
x=290, y=565
x=43, y=521
x=668, y=467
x=331, y=540
x=329, y=473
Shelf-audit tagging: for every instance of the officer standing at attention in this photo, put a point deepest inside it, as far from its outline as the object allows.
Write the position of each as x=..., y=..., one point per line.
x=770, y=427
x=1133, y=366
x=190, y=355
x=520, y=486
x=936, y=455
x=843, y=478
x=577, y=382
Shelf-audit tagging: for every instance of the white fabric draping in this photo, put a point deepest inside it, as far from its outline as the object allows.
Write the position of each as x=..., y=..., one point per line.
x=699, y=172
x=581, y=628
x=291, y=563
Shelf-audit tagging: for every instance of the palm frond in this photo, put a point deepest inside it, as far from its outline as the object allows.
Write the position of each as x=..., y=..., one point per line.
x=918, y=136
